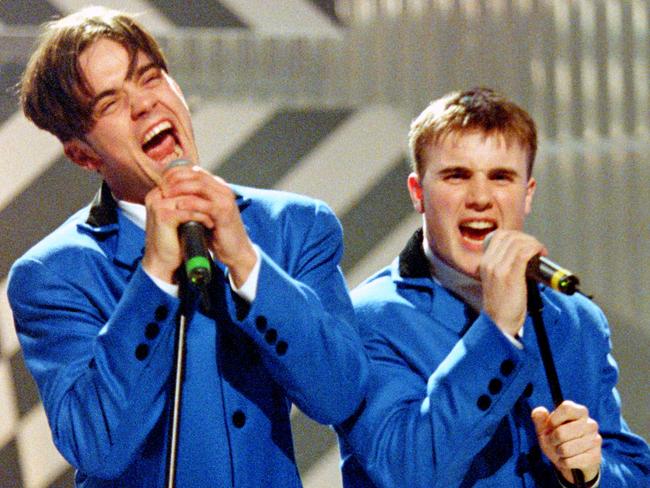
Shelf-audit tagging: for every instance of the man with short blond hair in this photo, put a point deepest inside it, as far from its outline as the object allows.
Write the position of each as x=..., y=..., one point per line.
x=457, y=394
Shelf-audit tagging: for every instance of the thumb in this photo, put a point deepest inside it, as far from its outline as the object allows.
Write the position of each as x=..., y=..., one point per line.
x=540, y=416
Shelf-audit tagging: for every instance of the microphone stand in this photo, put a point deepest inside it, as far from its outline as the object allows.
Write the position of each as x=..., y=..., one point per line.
x=186, y=296
x=535, y=308
x=179, y=372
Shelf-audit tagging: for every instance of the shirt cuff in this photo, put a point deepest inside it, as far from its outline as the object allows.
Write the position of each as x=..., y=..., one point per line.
x=593, y=483
x=248, y=291
x=516, y=341
x=169, y=288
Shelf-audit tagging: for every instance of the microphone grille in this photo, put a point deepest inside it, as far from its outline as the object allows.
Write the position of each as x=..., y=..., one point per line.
x=487, y=240
x=177, y=162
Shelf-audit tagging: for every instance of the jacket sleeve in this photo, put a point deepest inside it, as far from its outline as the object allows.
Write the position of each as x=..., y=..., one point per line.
x=626, y=456
x=418, y=433
x=303, y=322
x=101, y=358
x=421, y=430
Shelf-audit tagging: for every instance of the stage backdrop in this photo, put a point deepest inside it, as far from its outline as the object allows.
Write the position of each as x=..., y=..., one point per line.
x=316, y=96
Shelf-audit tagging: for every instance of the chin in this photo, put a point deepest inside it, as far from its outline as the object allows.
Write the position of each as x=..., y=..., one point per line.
x=468, y=266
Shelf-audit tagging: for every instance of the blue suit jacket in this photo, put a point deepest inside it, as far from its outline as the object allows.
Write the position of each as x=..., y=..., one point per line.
x=98, y=337
x=449, y=396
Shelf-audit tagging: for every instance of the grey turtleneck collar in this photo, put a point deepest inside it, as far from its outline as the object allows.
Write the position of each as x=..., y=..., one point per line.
x=466, y=287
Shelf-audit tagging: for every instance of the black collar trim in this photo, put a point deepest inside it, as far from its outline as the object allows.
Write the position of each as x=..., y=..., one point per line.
x=412, y=261
x=103, y=208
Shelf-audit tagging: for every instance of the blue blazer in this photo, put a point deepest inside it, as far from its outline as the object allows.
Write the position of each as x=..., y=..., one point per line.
x=98, y=337
x=449, y=396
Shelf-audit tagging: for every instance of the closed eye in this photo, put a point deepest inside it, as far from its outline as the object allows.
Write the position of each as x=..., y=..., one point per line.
x=151, y=76
x=505, y=175
x=454, y=174
x=105, y=105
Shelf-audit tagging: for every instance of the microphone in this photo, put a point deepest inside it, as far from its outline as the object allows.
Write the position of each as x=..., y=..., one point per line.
x=543, y=270
x=193, y=243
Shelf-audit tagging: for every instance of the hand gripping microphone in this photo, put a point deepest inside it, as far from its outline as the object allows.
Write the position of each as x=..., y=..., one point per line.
x=193, y=243
x=543, y=270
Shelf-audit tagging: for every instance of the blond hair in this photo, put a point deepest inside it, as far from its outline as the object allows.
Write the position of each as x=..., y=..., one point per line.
x=476, y=110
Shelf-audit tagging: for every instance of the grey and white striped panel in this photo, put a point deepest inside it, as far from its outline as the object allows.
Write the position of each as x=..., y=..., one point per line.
x=35, y=175
x=296, y=149
x=326, y=75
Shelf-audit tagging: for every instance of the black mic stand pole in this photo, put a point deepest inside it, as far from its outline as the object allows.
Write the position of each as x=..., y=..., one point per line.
x=179, y=372
x=187, y=300
x=535, y=308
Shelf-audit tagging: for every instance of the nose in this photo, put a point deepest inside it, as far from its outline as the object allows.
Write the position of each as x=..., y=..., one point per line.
x=141, y=102
x=479, y=194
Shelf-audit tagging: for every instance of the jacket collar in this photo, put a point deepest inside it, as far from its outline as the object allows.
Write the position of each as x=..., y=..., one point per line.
x=412, y=273
x=106, y=223
x=104, y=210
x=105, y=218
x=413, y=270
x=412, y=261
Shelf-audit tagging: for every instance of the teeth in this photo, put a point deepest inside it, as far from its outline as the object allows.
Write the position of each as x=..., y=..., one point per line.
x=479, y=224
x=156, y=130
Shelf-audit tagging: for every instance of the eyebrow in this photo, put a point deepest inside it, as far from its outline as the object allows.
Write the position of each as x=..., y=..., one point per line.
x=465, y=170
x=129, y=76
x=453, y=169
x=504, y=171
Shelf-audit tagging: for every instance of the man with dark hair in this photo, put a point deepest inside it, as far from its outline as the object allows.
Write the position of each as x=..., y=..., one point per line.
x=96, y=302
x=457, y=393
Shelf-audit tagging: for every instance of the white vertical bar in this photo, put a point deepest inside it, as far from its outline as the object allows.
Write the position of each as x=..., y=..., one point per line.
x=615, y=68
x=589, y=68
x=641, y=27
x=562, y=70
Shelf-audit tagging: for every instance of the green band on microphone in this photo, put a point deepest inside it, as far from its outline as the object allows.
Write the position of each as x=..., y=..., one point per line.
x=197, y=263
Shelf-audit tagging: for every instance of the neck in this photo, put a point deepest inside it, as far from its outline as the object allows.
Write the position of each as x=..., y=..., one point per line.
x=466, y=287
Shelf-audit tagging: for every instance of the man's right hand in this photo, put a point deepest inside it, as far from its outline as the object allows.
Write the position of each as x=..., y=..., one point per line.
x=503, y=277
x=163, y=253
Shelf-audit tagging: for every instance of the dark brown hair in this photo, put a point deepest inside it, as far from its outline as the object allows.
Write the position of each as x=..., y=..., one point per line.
x=53, y=92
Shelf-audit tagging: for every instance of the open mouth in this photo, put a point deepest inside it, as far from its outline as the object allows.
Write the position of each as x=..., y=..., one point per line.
x=477, y=230
x=161, y=143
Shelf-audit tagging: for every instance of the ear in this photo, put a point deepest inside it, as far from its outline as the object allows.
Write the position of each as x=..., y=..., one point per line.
x=530, y=192
x=415, y=190
x=80, y=153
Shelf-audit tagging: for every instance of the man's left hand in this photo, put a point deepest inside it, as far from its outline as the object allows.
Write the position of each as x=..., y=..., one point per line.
x=569, y=438
x=194, y=189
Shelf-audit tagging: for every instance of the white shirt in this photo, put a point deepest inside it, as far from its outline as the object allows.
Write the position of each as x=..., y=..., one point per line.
x=466, y=287
x=137, y=214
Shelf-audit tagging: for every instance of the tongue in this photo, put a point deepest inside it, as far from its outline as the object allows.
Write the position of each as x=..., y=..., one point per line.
x=164, y=146
x=475, y=234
